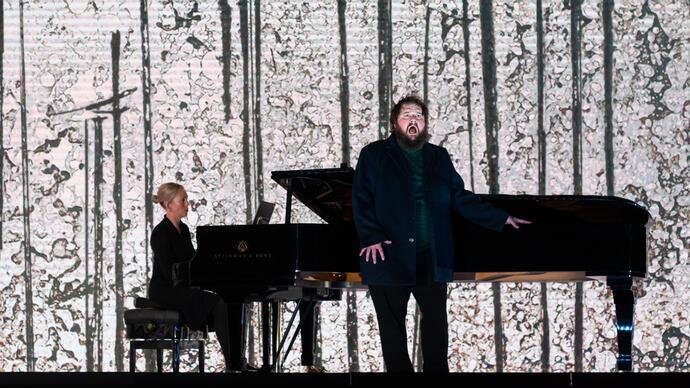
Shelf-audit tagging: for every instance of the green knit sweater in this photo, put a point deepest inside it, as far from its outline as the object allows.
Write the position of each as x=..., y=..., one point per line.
x=422, y=223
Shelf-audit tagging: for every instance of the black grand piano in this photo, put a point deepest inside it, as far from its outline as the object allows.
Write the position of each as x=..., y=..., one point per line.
x=572, y=238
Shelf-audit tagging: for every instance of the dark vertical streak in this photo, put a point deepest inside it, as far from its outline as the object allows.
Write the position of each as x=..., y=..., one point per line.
x=426, y=55
x=226, y=28
x=417, y=360
x=246, y=66
x=257, y=103
x=498, y=327
x=608, y=94
x=578, y=326
x=468, y=84
x=26, y=209
x=575, y=43
x=318, y=350
x=546, y=333
x=541, y=134
x=344, y=85
x=491, y=117
x=389, y=56
x=490, y=97
x=2, y=134
x=351, y=299
x=575, y=47
x=148, y=139
x=246, y=133
x=385, y=64
x=352, y=332
x=98, y=243
x=88, y=332
x=541, y=149
x=117, y=198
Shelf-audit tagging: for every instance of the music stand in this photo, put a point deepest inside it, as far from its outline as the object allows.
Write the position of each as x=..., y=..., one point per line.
x=264, y=213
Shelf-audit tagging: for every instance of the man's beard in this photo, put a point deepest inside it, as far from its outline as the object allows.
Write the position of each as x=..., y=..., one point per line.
x=417, y=142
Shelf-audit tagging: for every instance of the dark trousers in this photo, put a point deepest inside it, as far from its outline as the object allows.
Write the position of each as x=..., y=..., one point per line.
x=226, y=321
x=391, y=307
x=390, y=303
x=235, y=317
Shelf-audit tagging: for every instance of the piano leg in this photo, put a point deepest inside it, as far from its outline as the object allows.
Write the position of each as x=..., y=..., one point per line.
x=625, y=307
x=306, y=318
x=276, y=317
x=266, y=336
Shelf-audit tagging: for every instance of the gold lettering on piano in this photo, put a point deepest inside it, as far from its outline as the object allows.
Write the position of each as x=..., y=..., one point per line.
x=242, y=246
x=249, y=256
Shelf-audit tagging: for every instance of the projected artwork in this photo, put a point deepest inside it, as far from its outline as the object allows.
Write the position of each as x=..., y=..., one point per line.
x=102, y=101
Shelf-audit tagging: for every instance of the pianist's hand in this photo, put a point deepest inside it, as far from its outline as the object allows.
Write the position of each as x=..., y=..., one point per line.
x=514, y=222
x=371, y=250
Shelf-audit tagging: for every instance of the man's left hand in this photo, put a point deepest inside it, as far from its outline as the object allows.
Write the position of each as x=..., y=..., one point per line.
x=515, y=222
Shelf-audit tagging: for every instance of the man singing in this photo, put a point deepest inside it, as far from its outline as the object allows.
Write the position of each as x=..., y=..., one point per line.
x=403, y=194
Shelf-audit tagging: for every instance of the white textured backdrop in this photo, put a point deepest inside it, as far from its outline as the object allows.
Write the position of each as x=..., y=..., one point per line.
x=285, y=77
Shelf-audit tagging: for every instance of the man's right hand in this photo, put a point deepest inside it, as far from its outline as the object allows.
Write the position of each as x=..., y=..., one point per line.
x=372, y=250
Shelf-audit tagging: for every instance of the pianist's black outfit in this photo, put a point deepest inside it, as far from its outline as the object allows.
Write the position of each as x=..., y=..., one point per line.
x=196, y=306
x=407, y=196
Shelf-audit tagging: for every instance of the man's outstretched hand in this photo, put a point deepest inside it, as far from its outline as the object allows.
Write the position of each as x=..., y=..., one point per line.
x=515, y=222
x=372, y=250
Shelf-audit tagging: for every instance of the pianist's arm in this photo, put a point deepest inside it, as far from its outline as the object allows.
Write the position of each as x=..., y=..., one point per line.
x=470, y=206
x=163, y=255
x=369, y=230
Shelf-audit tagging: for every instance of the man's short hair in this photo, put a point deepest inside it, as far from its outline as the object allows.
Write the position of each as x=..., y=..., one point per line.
x=409, y=99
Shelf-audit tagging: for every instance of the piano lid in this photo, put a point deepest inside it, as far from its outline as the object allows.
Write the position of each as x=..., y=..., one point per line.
x=327, y=192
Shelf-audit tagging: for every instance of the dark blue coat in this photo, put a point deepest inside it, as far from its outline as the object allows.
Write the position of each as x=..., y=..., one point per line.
x=384, y=209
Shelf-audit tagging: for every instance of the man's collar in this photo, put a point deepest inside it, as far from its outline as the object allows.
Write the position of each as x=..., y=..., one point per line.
x=391, y=141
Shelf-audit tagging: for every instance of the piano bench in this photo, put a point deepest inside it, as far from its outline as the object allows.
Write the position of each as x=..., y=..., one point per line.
x=150, y=326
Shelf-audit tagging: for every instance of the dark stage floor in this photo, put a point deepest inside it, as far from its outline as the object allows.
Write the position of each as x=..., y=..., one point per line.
x=333, y=380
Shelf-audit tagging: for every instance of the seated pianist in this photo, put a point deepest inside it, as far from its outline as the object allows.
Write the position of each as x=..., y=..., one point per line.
x=171, y=243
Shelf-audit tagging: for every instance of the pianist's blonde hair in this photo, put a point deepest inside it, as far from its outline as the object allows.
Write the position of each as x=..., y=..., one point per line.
x=166, y=193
